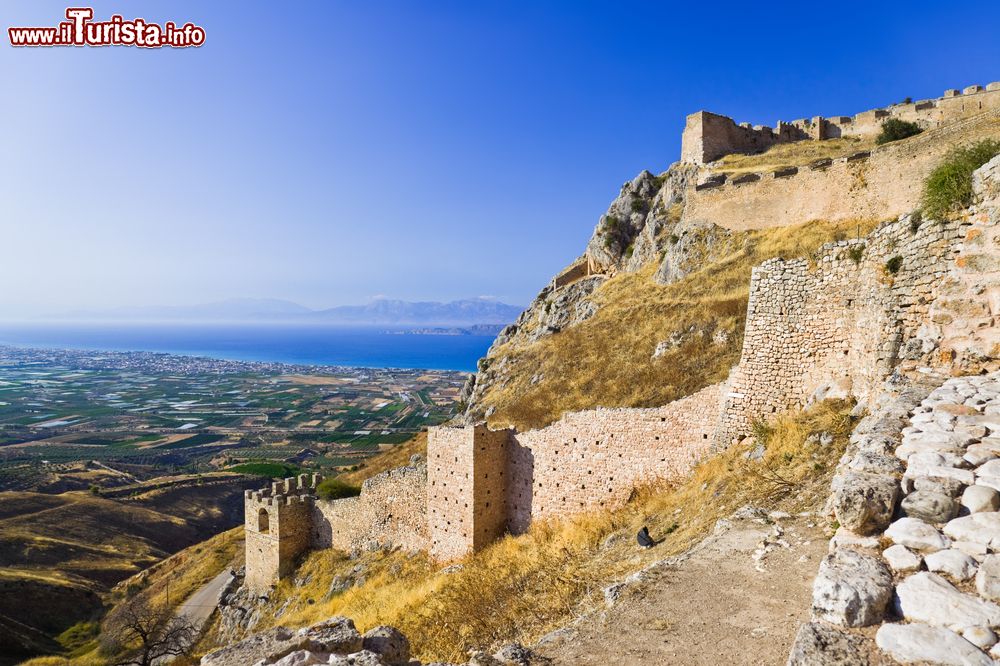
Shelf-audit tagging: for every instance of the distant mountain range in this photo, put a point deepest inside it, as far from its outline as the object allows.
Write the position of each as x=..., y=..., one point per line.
x=382, y=311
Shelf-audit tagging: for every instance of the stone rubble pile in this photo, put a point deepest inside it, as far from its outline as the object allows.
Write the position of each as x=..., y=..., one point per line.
x=918, y=547
x=337, y=642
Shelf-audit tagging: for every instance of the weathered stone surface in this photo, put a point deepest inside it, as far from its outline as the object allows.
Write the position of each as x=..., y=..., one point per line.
x=819, y=644
x=916, y=534
x=901, y=559
x=918, y=643
x=302, y=658
x=979, y=528
x=851, y=589
x=981, y=637
x=337, y=634
x=864, y=503
x=988, y=578
x=929, y=506
x=980, y=498
x=271, y=644
x=952, y=562
x=929, y=598
x=388, y=642
x=516, y=654
x=361, y=658
x=949, y=487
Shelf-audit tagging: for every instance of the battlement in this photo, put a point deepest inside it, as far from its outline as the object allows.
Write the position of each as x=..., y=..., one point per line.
x=278, y=524
x=710, y=136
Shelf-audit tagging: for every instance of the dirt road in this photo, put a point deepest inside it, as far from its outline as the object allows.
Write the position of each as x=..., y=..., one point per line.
x=717, y=604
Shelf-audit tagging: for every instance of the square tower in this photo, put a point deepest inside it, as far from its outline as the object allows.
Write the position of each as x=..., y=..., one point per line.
x=466, y=489
x=278, y=527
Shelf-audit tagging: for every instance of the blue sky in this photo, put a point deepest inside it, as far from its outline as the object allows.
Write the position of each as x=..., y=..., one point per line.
x=329, y=152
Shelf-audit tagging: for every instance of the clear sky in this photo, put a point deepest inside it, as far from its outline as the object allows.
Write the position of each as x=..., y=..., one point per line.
x=328, y=152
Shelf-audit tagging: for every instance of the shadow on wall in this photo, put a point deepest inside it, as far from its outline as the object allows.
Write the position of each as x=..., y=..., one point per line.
x=520, y=488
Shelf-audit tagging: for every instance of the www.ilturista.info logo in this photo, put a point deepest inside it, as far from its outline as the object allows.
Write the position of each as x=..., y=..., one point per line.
x=81, y=30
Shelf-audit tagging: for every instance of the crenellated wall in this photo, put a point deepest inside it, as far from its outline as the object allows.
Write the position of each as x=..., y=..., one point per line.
x=709, y=136
x=885, y=182
x=278, y=528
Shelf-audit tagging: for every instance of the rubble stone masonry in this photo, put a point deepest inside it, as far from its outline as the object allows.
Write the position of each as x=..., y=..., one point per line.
x=917, y=292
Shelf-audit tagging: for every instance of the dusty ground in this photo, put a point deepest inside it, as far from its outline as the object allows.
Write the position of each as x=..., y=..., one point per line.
x=713, y=605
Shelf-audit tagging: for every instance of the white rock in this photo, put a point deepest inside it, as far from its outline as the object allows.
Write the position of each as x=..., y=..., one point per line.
x=851, y=589
x=980, y=498
x=935, y=459
x=978, y=457
x=845, y=537
x=963, y=476
x=953, y=562
x=303, y=658
x=976, y=551
x=918, y=643
x=989, y=468
x=988, y=578
x=981, y=528
x=917, y=534
x=901, y=558
x=988, y=481
x=981, y=637
x=929, y=598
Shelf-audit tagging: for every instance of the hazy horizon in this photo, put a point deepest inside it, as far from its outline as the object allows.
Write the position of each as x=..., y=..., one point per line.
x=420, y=152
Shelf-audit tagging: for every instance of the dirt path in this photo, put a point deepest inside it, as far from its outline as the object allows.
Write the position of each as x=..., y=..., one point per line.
x=714, y=605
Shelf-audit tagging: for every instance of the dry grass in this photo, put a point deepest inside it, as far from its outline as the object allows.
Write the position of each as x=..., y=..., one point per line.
x=397, y=456
x=799, y=153
x=179, y=576
x=606, y=360
x=90, y=660
x=522, y=587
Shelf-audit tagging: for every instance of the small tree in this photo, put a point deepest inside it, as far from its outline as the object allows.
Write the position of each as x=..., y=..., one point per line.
x=895, y=129
x=140, y=633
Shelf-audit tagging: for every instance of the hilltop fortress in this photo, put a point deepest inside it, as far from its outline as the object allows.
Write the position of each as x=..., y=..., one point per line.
x=912, y=293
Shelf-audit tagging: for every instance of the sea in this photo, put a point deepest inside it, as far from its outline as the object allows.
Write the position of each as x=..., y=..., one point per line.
x=370, y=347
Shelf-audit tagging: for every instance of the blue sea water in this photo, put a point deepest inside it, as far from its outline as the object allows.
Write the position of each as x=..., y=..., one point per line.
x=312, y=345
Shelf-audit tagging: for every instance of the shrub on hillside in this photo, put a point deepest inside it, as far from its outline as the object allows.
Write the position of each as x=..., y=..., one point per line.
x=895, y=129
x=331, y=489
x=949, y=187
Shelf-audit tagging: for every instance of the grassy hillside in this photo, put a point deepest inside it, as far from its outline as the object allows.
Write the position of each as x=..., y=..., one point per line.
x=61, y=554
x=798, y=153
x=607, y=359
x=522, y=587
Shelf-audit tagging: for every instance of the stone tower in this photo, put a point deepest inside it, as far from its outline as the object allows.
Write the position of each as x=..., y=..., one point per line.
x=278, y=527
x=466, y=489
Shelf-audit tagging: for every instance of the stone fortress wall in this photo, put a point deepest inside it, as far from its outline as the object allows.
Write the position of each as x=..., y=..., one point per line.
x=709, y=136
x=485, y=483
x=870, y=185
x=840, y=322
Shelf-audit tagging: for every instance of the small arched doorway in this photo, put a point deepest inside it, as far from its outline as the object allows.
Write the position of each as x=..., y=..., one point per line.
x=263, y=521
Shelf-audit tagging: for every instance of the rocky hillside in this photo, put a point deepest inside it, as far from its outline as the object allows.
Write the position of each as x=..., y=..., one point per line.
x=654, y=308
x=653, y=311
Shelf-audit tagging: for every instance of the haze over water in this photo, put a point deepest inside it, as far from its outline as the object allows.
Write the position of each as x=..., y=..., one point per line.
x=311, y=345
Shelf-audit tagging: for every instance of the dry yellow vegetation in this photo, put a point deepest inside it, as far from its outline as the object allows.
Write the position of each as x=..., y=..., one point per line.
x=607, y=359
x=522, y=587
x=798, y=153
